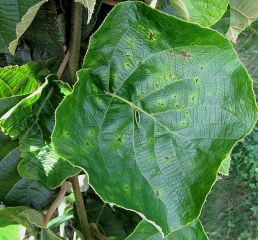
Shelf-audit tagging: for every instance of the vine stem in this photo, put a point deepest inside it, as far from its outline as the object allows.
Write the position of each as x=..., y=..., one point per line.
x=75, y=41
x=75, y=44
x=56, y=202
x=81, y=208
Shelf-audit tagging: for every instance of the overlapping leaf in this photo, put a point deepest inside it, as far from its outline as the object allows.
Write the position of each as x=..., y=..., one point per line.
x=15, y=18
x=147, y=231
x=163, y=103
x=202, y=12
x=242, y=14
x=32, y=120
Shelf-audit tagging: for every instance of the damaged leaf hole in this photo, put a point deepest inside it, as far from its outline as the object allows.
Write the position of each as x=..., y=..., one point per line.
x=136, y=117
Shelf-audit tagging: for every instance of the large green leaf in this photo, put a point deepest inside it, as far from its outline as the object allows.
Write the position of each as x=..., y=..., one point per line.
x=29, y=218
x=203, y=12
x=15, y=18
x=163, y=103
x=147, y=231
x=242, y=14
x=32, y=120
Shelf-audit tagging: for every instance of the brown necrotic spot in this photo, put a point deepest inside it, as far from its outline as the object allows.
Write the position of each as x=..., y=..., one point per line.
x=186, y=54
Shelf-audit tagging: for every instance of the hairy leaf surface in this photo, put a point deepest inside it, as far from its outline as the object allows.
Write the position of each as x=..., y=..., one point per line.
x=147, y=231
x=242, y=14
x=163, y=103
x=202, y=12
x=15, y=18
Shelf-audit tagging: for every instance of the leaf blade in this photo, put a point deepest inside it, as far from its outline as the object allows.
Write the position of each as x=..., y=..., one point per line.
x=148, y=115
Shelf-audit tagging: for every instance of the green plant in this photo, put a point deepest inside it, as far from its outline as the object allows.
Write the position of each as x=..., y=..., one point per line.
x=157, y=107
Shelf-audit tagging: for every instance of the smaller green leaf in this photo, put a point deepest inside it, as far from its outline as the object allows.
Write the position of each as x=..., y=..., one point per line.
x=63, y=86
x=28, y=218
x=147, y=231
x=13, y=216
x=203, y=12
x=242, y=14
x=89, y=4
x=17, y=82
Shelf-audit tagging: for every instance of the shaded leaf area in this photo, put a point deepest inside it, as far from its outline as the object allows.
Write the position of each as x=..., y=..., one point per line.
x=156, y=114
x=43, y=40
x=17, y=191
x=204, y=12
x=48, y=40
x=87, y=27
x=31, y=121
x=111, y=221
x=242, y=14
x=12, y=26
x=29, y=218
x=231, y=210
x=147, y=231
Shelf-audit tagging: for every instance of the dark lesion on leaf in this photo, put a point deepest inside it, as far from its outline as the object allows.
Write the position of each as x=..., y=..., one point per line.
x=152, y=36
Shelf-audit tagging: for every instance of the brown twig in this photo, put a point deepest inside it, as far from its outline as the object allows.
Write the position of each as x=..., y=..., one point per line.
x=94, y=229
x=110, y=2
x=56, y=203
x=63, y=65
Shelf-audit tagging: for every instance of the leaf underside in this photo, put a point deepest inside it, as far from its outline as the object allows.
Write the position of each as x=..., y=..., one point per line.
x=160, y=108
x=242, y=14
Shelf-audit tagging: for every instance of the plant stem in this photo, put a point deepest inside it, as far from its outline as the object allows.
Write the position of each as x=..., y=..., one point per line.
x=75, y=40
x=85, y=227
